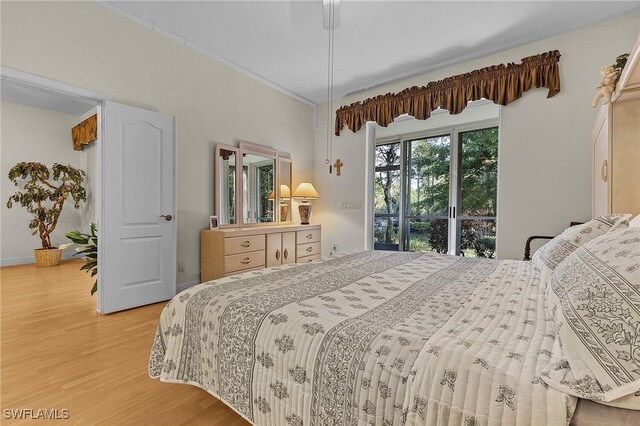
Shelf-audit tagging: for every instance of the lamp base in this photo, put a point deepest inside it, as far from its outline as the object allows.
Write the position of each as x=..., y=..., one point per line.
x=305, y=213
x=284, y=212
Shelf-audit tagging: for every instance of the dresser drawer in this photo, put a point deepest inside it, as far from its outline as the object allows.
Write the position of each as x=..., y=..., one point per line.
x=309, y=249
x=239, y=262
x=246, y=244
x=311, y=236
x=308, y=259
x=259, y=268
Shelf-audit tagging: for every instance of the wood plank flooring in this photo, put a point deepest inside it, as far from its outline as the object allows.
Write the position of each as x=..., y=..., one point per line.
x=57, y=352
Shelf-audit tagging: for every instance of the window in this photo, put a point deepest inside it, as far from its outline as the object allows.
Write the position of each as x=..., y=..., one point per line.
x=438, y=193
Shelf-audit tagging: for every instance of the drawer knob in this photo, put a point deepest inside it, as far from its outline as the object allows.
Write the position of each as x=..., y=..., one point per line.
x=286, y=253
x=245, y=243
x=309, y=249
x=245, y=261
x=278, y=254
x=309, y=236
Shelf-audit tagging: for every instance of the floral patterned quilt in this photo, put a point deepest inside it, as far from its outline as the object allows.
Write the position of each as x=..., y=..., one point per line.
x=371, y=338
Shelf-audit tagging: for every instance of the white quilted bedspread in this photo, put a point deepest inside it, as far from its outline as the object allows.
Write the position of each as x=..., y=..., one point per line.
x=372, y=338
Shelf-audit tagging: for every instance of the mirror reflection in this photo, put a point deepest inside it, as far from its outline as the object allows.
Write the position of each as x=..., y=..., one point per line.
x=227, y=186
x=258, y=184
x=285, y=190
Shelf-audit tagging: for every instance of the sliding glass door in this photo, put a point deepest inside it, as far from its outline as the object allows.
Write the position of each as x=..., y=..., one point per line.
x=426, y=222
x=387, y=197
x=438, y=193
x=477, y=189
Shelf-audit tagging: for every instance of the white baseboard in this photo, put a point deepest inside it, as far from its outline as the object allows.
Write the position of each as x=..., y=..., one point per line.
x=12, y=261
x=17, y=261
x=183, y=286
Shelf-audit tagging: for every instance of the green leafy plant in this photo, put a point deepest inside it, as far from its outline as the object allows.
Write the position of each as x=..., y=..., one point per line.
x=44, y=199
x=485, y=246
x=88, y=249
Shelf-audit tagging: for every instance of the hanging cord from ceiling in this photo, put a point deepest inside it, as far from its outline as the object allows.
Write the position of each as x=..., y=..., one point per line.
x=330, y=10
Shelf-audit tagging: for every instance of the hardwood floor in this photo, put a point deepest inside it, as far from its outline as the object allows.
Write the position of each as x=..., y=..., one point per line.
x=57, y=352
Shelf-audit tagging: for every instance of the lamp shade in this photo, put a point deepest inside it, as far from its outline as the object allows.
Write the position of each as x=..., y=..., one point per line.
x=305, y=190
x=285, y=192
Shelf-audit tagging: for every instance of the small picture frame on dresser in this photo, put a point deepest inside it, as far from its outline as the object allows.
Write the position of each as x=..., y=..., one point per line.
x=213, y=222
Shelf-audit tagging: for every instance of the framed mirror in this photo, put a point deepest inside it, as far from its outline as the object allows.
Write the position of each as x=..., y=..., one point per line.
x=285, y=166
x=258, y=181
x=226, y=184
x=252, y=186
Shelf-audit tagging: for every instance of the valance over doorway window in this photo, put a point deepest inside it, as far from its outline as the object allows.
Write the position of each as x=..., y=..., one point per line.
x=501, y=84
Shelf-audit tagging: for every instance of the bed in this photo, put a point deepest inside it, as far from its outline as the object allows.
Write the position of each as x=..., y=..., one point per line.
x=370, y=338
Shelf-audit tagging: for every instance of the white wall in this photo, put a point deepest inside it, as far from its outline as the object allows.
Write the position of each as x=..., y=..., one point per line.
x=83, y=44
x=544, y=177
x=40, y=135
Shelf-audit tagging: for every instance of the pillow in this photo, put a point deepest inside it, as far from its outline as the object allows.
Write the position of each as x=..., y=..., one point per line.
x=549, y=256
x=635, y=222
x=594, y=300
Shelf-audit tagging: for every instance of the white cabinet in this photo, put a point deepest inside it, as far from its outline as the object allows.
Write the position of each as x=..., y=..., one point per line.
x=616, y=146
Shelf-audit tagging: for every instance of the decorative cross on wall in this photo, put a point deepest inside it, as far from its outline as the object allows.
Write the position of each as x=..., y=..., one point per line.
x=338, y=164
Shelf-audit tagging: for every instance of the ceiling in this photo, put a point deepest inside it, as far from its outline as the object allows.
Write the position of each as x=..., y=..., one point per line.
x=284, y=43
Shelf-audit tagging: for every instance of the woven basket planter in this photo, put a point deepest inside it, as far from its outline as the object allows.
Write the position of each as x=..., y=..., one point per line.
x=47, y=257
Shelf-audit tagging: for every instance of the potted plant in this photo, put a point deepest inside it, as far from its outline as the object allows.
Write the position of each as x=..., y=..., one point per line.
x=88, y=249
x=45, y=199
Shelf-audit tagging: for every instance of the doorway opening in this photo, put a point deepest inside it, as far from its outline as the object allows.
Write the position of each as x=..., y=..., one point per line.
x=37, y=118
x=131, y=164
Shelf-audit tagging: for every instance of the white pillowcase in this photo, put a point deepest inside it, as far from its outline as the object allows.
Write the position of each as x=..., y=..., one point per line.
x=594, y=299
x=549, y=256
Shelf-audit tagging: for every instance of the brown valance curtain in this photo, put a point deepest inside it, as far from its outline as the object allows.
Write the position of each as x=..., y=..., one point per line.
x=501, y=84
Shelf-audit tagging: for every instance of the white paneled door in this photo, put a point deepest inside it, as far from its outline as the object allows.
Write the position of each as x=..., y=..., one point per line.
x=137, y=259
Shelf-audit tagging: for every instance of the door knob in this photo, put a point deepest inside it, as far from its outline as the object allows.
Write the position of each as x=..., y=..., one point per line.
x=167, y=217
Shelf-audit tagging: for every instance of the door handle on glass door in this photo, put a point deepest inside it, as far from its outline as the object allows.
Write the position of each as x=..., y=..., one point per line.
x=167, y=217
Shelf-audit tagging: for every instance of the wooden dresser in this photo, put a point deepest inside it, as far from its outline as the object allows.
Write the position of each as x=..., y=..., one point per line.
x=616, y=145
x=234, y=250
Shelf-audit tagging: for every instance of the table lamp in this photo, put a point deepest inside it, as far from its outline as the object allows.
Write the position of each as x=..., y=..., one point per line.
x=307, y=192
